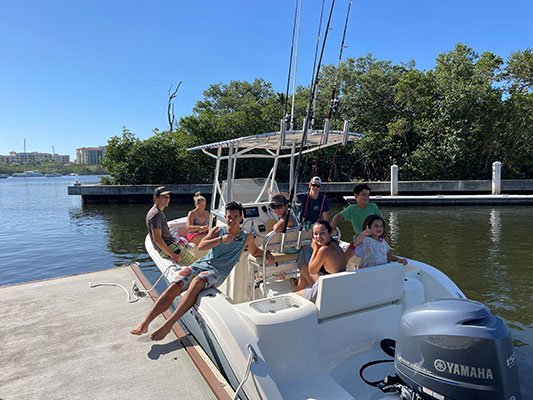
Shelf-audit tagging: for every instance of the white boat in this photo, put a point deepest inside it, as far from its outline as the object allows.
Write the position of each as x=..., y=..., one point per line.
x=27, y=174
x=3, y=176
x=278, y=345
x=52, y=175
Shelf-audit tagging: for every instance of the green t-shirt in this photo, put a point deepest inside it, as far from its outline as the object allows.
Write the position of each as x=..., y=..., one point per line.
x=358, y=216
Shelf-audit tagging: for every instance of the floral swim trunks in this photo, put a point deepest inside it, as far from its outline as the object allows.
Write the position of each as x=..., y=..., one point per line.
x=187, y=274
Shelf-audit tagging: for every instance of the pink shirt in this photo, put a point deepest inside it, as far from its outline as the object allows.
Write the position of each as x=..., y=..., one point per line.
x=372, y=252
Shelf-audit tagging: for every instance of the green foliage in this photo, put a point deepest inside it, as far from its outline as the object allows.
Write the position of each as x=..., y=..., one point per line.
x=450, y=122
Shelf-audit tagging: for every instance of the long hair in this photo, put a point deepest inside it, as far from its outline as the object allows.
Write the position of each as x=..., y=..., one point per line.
x=370, y=219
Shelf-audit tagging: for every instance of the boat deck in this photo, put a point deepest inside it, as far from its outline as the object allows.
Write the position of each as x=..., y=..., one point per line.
x=61, y=339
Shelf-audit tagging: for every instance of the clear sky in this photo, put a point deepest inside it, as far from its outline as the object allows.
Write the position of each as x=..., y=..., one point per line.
x=73, y=73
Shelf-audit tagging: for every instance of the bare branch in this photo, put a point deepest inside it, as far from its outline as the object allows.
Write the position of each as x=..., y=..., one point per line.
x=170, y=109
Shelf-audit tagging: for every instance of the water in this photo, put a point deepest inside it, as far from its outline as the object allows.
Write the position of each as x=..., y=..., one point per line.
x=487, y=251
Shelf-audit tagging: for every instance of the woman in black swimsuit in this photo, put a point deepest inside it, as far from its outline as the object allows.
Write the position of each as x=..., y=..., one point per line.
x=328, y=258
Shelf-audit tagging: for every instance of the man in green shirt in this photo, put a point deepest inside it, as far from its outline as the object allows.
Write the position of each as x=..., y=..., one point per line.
x=357, y=213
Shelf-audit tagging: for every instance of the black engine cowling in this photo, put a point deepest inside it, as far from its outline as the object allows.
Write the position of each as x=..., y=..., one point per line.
x=456, y=349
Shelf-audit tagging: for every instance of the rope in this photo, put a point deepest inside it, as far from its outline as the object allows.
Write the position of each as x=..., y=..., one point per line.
x=251, y=358
x=134, y=288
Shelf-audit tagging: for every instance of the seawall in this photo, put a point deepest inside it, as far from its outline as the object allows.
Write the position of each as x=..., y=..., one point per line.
x=131, y=194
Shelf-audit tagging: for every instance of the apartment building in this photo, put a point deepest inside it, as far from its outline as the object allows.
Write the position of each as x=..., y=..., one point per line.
x=34, y=158
x=90, y=155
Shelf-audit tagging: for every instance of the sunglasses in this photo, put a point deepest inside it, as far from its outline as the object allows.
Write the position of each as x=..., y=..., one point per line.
x=276, y=206
x=315, y=185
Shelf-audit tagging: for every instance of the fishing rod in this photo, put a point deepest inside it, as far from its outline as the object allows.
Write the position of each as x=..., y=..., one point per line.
x=333, y=101
x=314, y=81
x=290, y=64
x=333, y=104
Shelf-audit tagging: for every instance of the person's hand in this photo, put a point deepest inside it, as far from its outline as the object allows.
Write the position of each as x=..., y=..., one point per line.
x=228, y=238
x=367, y=231
x=204, y=228
x=176, y=258
x=314, y=245
x=402, y=260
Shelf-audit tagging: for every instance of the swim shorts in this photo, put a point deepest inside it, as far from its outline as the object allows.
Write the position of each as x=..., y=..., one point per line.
x=187, y=274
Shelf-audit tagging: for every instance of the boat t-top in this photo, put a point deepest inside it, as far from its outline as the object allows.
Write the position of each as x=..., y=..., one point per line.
x=270, y=343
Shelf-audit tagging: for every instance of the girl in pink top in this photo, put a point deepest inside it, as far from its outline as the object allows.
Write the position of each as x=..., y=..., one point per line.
x=371, y=246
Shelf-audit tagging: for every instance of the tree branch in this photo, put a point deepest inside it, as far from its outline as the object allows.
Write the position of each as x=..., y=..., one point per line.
x=170, y=109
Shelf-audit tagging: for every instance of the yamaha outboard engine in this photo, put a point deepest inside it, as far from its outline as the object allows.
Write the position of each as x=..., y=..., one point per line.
x=456, y=349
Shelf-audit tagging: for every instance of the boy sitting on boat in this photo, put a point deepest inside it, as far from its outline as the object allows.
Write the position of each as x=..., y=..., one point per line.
x=225, y=245
x=156, y=223
x=356, y=213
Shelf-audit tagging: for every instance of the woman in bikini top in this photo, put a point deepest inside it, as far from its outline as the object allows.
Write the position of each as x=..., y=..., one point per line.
x=328, y=257
x=198, y=220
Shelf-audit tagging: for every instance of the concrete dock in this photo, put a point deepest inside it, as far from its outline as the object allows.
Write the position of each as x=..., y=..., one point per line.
x=60, y=339
x=125, y=194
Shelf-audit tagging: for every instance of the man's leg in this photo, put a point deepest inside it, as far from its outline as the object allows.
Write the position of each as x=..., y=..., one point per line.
x=185, y=304
x=161, y=305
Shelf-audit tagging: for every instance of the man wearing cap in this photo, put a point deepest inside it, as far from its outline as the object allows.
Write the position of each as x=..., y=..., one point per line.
x=314, y=205
x=156, y=222
x=280, y=206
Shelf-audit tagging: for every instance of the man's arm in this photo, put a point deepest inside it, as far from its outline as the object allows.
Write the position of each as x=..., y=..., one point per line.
x=211, y=240
x=158, y=240
x=336, y=219
x=278, y=226
x=257, y=251
x=325, y=215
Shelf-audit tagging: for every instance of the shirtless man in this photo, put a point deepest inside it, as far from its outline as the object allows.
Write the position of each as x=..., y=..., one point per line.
x=225, y=245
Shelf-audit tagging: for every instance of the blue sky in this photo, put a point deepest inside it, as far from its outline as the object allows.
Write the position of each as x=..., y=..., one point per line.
x=73, y=73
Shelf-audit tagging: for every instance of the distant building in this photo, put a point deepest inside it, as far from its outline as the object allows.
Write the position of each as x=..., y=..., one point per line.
x=90, y=155
x=34, y=158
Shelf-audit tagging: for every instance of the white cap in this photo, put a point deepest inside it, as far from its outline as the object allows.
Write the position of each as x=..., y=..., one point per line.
x=316, y=179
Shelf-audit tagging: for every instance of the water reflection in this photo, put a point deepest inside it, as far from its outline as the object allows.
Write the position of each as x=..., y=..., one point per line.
x=393, y=227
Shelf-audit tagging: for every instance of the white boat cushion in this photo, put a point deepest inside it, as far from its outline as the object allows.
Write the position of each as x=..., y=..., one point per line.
x=348, y=292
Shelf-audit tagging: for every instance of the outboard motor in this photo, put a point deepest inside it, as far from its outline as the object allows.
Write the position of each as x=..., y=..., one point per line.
x=456, y=349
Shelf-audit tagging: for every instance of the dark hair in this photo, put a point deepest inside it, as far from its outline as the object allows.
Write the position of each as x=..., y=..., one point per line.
x=234, y=206
x=370, y=219
x=360, y=187
x=325, y=223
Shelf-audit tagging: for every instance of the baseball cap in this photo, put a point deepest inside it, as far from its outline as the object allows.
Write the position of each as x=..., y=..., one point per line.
x=161, y=190
x=316, y=179
x=279, y=199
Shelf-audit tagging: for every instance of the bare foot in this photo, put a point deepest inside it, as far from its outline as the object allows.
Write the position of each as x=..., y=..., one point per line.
x=294, y=284
x=161, y=332
x=140, y=329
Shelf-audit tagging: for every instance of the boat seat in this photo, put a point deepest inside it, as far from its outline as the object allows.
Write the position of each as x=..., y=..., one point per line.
x=279, y=258
x=348, y=292
x=285, y=263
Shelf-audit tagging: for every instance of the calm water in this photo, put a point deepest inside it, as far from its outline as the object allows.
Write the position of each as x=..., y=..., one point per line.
x=487, y=251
